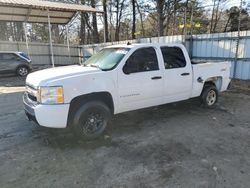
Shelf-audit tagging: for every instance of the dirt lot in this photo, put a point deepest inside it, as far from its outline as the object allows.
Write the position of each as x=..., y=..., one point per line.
x=175, y=145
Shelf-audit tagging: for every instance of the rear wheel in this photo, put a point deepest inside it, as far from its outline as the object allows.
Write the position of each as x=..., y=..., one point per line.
x=22, y=71
x=90, y=119
x=209, y=96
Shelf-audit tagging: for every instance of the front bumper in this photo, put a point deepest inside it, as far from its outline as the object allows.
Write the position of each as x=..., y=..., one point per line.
x=53, y=116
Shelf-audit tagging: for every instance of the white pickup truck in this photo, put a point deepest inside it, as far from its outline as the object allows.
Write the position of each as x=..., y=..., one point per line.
x=118, y=79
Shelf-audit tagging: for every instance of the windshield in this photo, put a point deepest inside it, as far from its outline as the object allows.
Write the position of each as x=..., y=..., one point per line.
x=107, y=58
x=24, y=55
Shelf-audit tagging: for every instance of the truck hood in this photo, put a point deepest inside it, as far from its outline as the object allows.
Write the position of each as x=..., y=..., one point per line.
x=41, y=78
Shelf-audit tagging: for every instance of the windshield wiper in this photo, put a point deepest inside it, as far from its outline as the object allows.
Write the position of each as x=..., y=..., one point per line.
x=93, y=65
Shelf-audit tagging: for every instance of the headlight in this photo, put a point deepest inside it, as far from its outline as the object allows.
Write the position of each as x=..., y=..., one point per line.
x=51, y=95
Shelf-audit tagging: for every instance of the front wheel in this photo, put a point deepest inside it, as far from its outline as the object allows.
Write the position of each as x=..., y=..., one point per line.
x=90, y=119
x=209, y=96
x=22, y=71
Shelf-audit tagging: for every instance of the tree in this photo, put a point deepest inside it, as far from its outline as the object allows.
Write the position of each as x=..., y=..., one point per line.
x=212, y=19
x=128, y=19
x=216, y=16
x=119, y=6
x=141, y=18
x=233, y=19
x=104, y=4
x=134, y=19
x=82, y=33
x=160, y=16
x=94, y=22
x=39, y=32
x=4, y=31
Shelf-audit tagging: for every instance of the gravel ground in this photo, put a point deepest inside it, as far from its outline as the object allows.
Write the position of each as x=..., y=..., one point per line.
x=174, y=145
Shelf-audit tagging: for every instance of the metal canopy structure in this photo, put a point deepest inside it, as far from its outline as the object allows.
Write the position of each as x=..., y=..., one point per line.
x=35, y=11
x=40, y=11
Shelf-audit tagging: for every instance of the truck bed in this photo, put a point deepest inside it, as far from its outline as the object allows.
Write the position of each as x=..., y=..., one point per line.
x=204, y=70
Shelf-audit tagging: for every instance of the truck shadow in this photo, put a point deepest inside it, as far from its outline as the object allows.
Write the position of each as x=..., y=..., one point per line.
x=120, y=126
x=15, y=126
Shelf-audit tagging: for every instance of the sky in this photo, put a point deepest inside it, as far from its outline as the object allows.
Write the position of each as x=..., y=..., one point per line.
x=228, y=4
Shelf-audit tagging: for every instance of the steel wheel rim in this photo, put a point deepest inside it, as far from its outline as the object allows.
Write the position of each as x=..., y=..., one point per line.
x=93, y=123
x=211, y=97
x=23, y=71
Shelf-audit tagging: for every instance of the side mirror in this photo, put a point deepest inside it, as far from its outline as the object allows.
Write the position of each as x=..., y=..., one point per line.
x=126, y=69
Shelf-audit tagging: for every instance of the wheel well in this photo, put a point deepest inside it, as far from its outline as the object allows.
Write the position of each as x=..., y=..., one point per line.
x=209, y=83
x=215, y=81
x=104, y=97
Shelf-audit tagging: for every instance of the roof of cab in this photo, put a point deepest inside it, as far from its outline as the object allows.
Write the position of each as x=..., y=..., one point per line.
x=9, y=52
x=144, y=45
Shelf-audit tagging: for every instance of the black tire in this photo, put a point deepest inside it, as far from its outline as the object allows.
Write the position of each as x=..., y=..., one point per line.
x=90, y=119
x=209, y=96
x=22, y=71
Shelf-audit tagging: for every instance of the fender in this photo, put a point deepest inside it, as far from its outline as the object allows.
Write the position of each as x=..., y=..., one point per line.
x=78, y=101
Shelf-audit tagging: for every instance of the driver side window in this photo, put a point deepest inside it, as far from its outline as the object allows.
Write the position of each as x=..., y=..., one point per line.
x=142, y=60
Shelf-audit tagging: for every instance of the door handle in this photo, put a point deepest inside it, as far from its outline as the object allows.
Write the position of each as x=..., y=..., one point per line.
x=185, y=74
x=156, y=78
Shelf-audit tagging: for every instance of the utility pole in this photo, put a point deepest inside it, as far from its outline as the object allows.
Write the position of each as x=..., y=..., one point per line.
x=185, y=23
x=184, y=28
x=238, y=40
x=191, y=32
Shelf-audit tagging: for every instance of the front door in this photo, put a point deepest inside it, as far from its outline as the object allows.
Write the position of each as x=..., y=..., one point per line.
x=140, y=82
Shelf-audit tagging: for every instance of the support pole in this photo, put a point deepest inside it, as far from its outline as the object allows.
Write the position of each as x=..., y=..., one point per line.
x=50, y=41
x=26, y=38
x=67, y=33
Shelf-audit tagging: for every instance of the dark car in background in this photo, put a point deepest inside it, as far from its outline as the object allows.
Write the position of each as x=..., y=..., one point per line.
x=15, y=62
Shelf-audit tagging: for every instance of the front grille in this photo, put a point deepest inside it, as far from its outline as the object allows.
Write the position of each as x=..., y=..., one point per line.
x=31, y=97
x=31, y=93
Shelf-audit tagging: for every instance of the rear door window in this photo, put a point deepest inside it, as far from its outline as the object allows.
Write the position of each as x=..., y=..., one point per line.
x=173, y=57
x=8, y=56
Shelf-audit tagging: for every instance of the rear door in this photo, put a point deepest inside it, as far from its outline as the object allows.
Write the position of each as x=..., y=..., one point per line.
x=177, y=74
x=140, y=80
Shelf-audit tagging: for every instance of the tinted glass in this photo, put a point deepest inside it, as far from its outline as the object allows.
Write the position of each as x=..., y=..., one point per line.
x=107, y=58
x=142, y=60
x=173, y=57
x=7, y=56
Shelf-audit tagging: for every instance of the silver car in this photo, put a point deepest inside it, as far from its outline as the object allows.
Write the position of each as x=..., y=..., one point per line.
x=15, y=62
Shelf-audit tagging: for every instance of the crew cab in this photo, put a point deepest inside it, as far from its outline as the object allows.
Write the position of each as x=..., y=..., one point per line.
x=118, y=79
